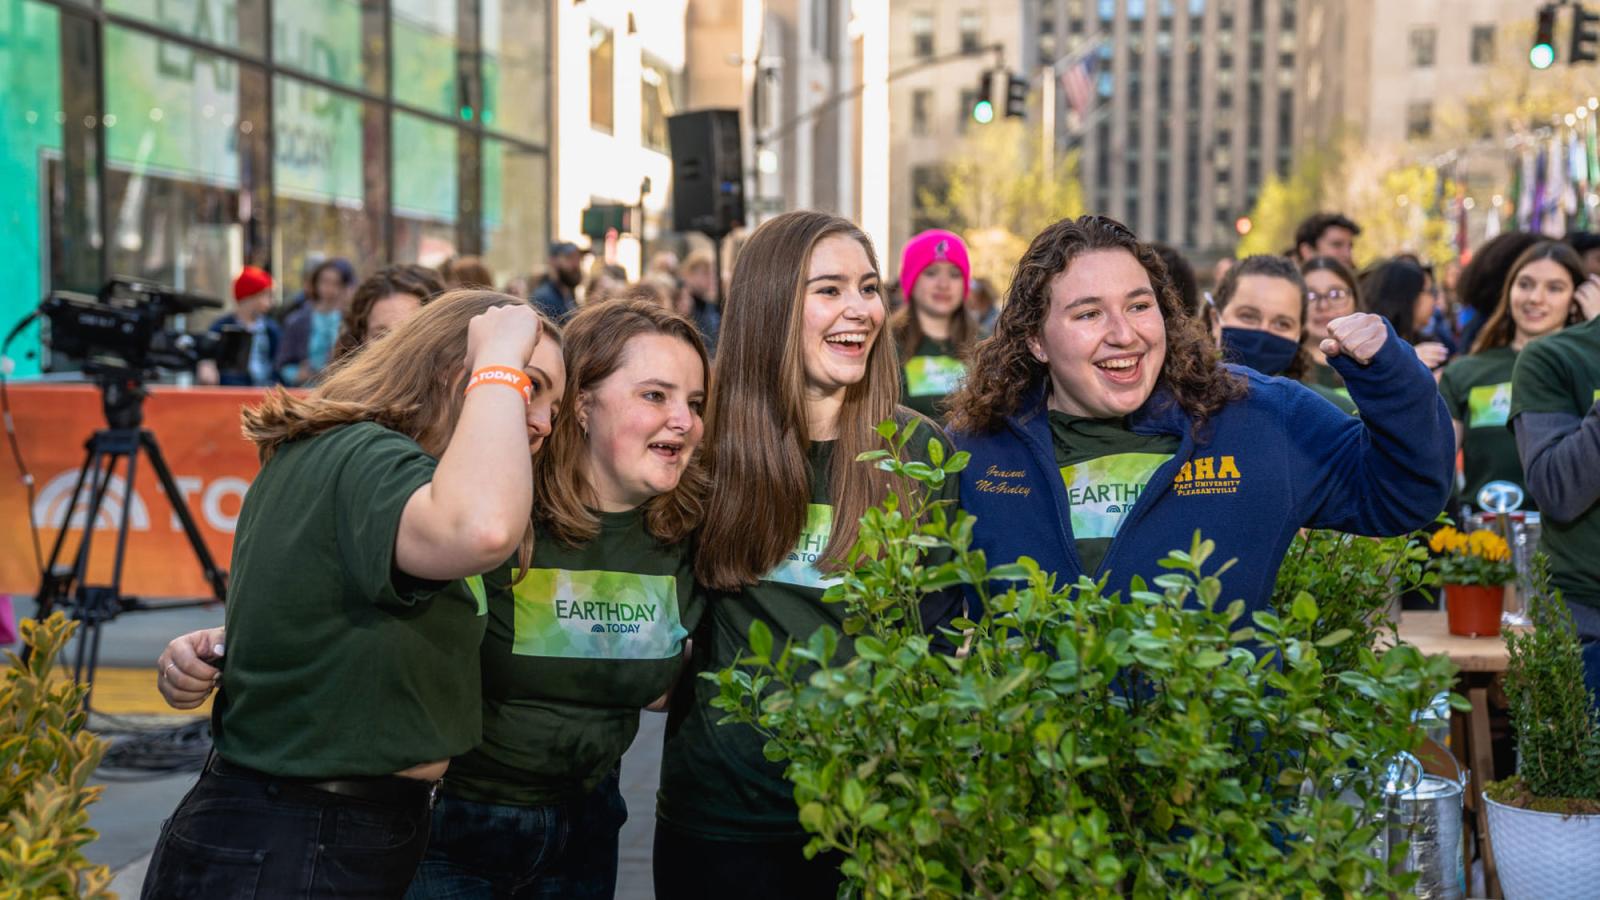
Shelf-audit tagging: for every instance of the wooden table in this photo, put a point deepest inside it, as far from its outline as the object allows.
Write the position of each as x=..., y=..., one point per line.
x=1480, y=659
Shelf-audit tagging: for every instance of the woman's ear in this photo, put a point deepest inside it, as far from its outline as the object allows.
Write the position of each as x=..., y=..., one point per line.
x=580, y=411
x=1036, y=347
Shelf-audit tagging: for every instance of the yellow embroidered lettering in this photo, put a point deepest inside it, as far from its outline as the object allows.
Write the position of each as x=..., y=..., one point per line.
x=1229, y=468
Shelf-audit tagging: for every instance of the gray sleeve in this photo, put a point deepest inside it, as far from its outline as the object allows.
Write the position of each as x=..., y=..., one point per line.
x=1561, y=461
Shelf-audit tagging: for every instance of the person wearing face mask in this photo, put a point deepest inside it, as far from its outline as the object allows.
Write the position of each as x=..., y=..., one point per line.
x=933, y=331
x=804, y=376
x=356, y=607
x=1100, y=415
x=1538, y=299
x=1332, y=292
x=1260, y=308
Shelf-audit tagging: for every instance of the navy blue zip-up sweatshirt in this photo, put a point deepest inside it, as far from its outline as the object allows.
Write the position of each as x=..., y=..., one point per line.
x=1277, y=460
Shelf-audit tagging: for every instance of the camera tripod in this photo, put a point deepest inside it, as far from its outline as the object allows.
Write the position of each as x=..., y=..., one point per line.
x=93, y=605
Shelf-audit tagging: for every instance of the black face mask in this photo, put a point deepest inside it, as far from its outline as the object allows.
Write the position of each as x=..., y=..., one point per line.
x=1260, y=350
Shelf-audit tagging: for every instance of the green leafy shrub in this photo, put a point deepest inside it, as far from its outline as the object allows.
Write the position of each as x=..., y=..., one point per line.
x=46, y=759
x=1552, y=712
x=1085, y=744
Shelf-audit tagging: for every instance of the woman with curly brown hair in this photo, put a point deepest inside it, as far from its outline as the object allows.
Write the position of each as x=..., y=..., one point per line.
x=386, y=298
x=1099, y=406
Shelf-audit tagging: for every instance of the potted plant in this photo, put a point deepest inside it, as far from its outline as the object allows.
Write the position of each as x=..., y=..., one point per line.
x=1544, y=822
x=1084, y=743
x=1475, y=567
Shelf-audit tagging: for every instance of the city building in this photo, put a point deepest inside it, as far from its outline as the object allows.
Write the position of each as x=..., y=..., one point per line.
x=1194, y=108
x=620, y=74
x=952, y=42
x=177, y=140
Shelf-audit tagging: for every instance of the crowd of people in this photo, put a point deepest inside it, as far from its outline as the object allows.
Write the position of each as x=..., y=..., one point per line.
x=519, y=519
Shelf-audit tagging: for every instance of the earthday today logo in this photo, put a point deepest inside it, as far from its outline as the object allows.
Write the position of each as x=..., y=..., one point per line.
x=1102, y=491
x=597, y=615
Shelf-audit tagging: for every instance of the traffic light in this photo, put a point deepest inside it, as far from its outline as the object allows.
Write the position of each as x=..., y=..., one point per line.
x=1583, y=35
x=983, y=102
x=1543, y=53
x=1016, y=97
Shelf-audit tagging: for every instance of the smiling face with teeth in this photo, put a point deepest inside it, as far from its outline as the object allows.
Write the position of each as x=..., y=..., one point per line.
x=842, y=315
x=643, y=421
x=1103, y=338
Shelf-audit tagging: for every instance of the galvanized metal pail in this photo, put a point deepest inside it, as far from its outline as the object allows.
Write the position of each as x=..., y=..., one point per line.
x=1425, y=812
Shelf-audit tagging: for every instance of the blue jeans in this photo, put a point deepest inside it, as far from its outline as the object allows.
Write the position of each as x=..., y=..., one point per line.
x=498, y=850
x=243, y=837
x=1586, y=622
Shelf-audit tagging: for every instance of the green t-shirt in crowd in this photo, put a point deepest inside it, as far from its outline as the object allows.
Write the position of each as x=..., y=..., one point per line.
x=573, y=651
x=932, y=374
x=1561, y=374
x=1327, y=383
x=715, y=780
x=339, y=664
x=1477, y=391
x=1104, y=467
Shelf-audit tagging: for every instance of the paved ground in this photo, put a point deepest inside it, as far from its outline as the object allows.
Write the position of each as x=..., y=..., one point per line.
x=128, y=815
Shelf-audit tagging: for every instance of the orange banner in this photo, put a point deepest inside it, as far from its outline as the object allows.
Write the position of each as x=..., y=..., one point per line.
x=198, y=432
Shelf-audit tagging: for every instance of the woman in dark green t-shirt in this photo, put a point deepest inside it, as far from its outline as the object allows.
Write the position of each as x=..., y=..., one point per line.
x=1537, y=299
x=933, y=331
x=790, y=414
x=595, y=630
x=355, y=606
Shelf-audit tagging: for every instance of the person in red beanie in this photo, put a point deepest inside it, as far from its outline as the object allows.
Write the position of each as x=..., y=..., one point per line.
x=252, y=298
x=933, y=331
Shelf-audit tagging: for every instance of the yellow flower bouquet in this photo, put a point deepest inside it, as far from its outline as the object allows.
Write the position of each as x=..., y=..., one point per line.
x=1473, y=557
x=1475, y=567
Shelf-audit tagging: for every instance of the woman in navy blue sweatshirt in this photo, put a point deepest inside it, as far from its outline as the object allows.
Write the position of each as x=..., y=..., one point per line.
x=1104, y=431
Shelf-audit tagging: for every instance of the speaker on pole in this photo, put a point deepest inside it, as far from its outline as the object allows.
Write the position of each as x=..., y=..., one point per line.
x=707, y=171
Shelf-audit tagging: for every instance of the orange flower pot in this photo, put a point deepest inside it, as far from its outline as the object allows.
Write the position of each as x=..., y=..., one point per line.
x=1474, y=610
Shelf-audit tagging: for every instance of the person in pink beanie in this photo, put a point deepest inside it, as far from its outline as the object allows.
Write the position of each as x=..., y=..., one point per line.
x=933, y=331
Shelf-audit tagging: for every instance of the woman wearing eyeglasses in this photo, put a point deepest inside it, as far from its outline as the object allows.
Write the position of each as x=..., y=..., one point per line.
x=1331, y=292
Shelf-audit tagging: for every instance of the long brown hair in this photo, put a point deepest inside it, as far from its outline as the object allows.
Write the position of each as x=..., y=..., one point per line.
x=420, y=282
x=563, y=497
x=758, y=435
x=1004, y=371
x=412, y=381
x=1501, y=329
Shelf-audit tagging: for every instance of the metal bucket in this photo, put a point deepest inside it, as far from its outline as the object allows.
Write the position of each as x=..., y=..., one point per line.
x=1424, y=812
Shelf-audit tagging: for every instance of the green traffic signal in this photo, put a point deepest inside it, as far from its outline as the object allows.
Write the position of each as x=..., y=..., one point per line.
x=1542, y=56
x=983, y=112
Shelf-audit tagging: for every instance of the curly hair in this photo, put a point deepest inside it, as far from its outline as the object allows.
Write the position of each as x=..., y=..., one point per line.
x=1004, y=371
x=420, y=282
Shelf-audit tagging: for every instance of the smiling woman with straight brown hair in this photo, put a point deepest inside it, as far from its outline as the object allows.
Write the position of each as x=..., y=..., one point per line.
x=804, y=374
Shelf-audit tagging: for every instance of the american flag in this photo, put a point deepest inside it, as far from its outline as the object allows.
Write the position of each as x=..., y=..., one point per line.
x=1078, y=87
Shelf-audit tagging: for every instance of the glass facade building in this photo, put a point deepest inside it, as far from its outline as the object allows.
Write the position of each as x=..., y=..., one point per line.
x=178, y=140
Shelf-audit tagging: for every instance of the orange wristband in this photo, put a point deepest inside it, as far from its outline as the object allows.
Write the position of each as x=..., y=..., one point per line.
x=511, y=378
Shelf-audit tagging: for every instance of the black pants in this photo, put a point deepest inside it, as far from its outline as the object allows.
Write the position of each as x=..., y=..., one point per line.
x=687, y=866
x=248, y=835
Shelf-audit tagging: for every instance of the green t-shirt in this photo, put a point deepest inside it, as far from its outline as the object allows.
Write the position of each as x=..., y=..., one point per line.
x=932, y=374
x=1477, y=391
x=339, y=664
x=715, y=780
x=1561, y=374
x=1338, y=396
x=573, y=651
x=1104, y=467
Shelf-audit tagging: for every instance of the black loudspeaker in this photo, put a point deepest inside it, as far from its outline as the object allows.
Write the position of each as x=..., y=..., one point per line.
x=707, y=171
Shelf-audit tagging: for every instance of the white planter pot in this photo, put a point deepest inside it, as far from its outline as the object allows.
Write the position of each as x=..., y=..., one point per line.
x=1545, y=856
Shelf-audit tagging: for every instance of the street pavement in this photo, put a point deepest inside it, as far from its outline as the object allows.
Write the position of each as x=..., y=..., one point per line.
x=128, y=814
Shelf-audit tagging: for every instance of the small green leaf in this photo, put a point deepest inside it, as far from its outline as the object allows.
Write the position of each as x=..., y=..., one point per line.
x=760, y=640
